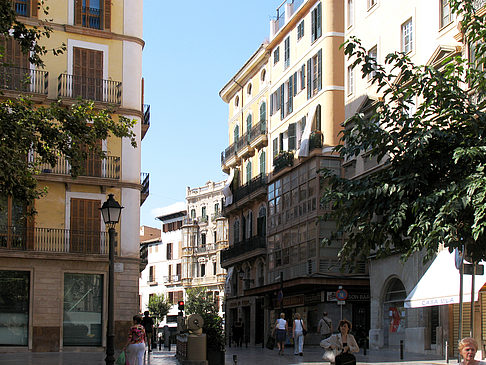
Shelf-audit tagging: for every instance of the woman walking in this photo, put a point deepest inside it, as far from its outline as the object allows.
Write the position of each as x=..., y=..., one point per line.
x=298, y=333
x=136, y=342
x=341, y=343
x=281, y=327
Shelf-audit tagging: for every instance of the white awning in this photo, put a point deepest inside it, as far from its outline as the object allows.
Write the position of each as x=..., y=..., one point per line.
x=228, y=195
x=440, y=284
x=304, y=141
x=227, y=284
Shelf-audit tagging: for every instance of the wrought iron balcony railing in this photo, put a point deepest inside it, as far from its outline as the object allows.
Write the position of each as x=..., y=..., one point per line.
x=23, y=80
x=240, y=248
x=56, y=240
x=146, y=115
x=246, y=139
x=89, y=88
x=282, y=160
x=254, y=184
x=108, y=167
x=145, y=181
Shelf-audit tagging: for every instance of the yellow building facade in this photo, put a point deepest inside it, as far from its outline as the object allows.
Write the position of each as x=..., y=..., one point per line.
x=59, y=264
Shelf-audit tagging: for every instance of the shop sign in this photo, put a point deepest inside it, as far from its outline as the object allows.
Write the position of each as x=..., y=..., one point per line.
x=352, y=297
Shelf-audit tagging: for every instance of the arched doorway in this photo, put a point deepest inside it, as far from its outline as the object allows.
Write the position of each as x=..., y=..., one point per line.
x=394, y=320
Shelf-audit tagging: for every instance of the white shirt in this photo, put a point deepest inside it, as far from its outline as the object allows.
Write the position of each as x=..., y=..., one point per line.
x=298, y=325
x=281, y=323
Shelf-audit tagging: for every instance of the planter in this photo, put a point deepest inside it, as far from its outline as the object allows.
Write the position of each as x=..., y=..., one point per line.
x=215, y=357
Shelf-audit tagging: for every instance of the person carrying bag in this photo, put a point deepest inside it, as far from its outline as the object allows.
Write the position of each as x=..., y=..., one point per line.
x=339, y=347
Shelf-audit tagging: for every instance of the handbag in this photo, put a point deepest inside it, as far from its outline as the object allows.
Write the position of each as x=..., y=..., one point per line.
x=345, y=358
x=329, y=355
x=121, y=359
x=304, y=331
x=270, y=343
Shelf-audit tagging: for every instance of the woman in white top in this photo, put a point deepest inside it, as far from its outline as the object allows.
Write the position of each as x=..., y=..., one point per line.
x=467, y=348
x=281, y=327
x=298, y=332
x=343, y=341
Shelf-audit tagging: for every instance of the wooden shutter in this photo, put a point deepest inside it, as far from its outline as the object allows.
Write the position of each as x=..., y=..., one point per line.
x=33, y=8
x=309, y=78
x=466, y=324
x=78, y=6
x=92, y=165
x=88, y=73
x=319, y=70
x=107, y=13
x=85, y=226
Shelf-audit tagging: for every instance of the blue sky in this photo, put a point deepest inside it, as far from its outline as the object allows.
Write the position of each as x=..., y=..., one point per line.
x=192, y=50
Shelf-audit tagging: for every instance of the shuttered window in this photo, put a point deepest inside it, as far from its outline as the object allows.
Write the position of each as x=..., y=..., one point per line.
x=292, y=135
x=25, y=7
x=314, y=74
x=14, y=66
x=87, y=73
x=466, y=324
x=85, y=226
x=316, y=18
x=94, y=14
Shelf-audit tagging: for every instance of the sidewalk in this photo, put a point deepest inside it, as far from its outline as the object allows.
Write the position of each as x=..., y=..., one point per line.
x=244, y=356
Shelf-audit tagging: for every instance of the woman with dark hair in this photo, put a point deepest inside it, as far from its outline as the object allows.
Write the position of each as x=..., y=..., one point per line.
x=341, y=343
x=135, y=346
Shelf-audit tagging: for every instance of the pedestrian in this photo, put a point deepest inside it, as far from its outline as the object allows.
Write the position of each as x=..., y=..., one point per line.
x=238, y=331
x=324, y=327
x=343, y=343
x=468, y=347
x=281, y=328
x=135, y=347
x=148, y=324
x=298, y=334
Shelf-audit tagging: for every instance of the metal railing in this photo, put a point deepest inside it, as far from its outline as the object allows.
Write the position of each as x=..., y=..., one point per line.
x=89, y=88
x=172, y=278
x=91, y=17
x=56, y=240
x=246, y=139
x=146, y=115
x=108, y=167
x=254, y=184
x=243, y=247
x=21, y=7
x=23, y=79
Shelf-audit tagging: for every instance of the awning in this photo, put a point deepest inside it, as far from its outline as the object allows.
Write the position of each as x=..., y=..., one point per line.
x=228, y=195
x=227, y=284
x=304, y=141
x=440, y=284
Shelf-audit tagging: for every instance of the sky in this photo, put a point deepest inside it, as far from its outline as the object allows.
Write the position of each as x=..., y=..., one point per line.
x=192, y=49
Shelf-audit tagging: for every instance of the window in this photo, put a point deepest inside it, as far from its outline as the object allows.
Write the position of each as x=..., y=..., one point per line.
x=95, y=14
x=193, y=213
x=249, y=225
x=15, y=73
x=83, y=308
x=236, y=232
x=237, y=101
x=276, y=55
x=292, y=136
x=407, y=31
x=85, y=226
x=314, y=75
x=87, y=74
x=263, y=114
x=276, y=101
x=13, y=224
x=300, y=30
x=248, y=89
x=350, y=14
x=203, y=239
x=214, y=268
x=203, y=270
x=445, y=13
x=215, y=235
x=169, y=251
x=261, y=222
x=203, y=213
x=25, y=7
x=371, y=3
x=248, y=172
x=151, y=274
x=350, y=80
x=170, y=272
x=373, y=54
x=301, y=78
x=287, y=52
x=216, y=208
x=248, y=126
x=236, y=134
x=316, y=27
x=14, y=307
x=263, y=75
x=262, y=162
x=275, y=149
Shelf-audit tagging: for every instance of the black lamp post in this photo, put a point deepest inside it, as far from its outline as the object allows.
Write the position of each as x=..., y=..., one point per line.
x=111, y=211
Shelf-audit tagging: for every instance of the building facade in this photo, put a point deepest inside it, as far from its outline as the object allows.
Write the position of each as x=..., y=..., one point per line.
x=290, y=271
x=54, y=272
x=204, y=235
x=163, y=273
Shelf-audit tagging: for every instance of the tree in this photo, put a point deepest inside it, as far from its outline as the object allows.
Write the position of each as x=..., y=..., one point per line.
x=31, y=134
x=199, y=302
x=159, y=306
x=430, y=189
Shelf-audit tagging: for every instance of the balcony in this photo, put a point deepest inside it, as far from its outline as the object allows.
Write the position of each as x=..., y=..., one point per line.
x=23, y=80
x=53, y=240
x=106, y=168
x=250, y=187
x=172, y=279
x=282, y=160
x=146, y=119
x=243, y=148
x=244, y=250
x=144, y=180
x=315, y=140
x=202, y=219
x=258, y=135
x=89, y=88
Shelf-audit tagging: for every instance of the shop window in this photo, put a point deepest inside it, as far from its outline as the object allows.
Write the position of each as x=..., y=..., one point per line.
x=14, y=308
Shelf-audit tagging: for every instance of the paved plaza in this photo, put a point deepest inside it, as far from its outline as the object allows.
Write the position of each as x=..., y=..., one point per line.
x=243, y=356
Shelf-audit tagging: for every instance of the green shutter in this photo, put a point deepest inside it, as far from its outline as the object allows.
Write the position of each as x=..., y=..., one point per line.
x=319, y=70
x=291, y=93
x=309, y=78
x=292, y=136
x=282, y=101
x=295, y=83
x=275, y=147
x=302, y=82
x=319, y=21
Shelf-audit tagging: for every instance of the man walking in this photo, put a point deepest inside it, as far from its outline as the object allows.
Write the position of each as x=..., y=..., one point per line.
x=148, y=324
x=325, y=326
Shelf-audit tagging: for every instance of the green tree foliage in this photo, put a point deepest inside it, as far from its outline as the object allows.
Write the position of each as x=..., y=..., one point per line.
x=45, y=131
x=198, y=302
x=159, y=306
x=431, y=187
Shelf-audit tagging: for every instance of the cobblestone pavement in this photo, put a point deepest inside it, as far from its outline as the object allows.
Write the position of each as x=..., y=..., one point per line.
x=244, y=356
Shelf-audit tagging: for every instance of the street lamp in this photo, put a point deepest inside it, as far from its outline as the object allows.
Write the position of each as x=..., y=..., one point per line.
x=111, y=211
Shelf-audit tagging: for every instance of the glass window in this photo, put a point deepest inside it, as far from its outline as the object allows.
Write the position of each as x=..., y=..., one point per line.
x=407, y=39
x=350, y=80
x=14, y=307
x=262, y=162
x=276, y=55
x=445, y=13
x=83, y=308
x=373, y=54
x=350, y=13
x=300, y=30
x=316, y=26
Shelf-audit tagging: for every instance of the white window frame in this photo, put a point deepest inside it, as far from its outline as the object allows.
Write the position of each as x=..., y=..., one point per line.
x=350, y=13
x=350, y=77
x=406, y=35
x=373, y=51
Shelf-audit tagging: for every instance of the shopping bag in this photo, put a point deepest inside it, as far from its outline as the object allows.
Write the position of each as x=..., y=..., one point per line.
x=270, y=342
x=121, y=360
x=345, y=358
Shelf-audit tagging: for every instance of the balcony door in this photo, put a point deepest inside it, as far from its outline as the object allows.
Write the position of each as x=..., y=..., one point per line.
x=87, y=73
x=85, y=226
x=14, y=67
x=92, y=165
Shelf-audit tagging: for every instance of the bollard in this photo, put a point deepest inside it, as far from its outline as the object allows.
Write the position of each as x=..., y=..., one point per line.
x=401, y=349
x=447, y=352
x=235, y=359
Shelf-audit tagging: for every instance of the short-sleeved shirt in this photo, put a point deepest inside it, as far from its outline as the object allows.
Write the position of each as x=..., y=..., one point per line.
x=136, y=334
